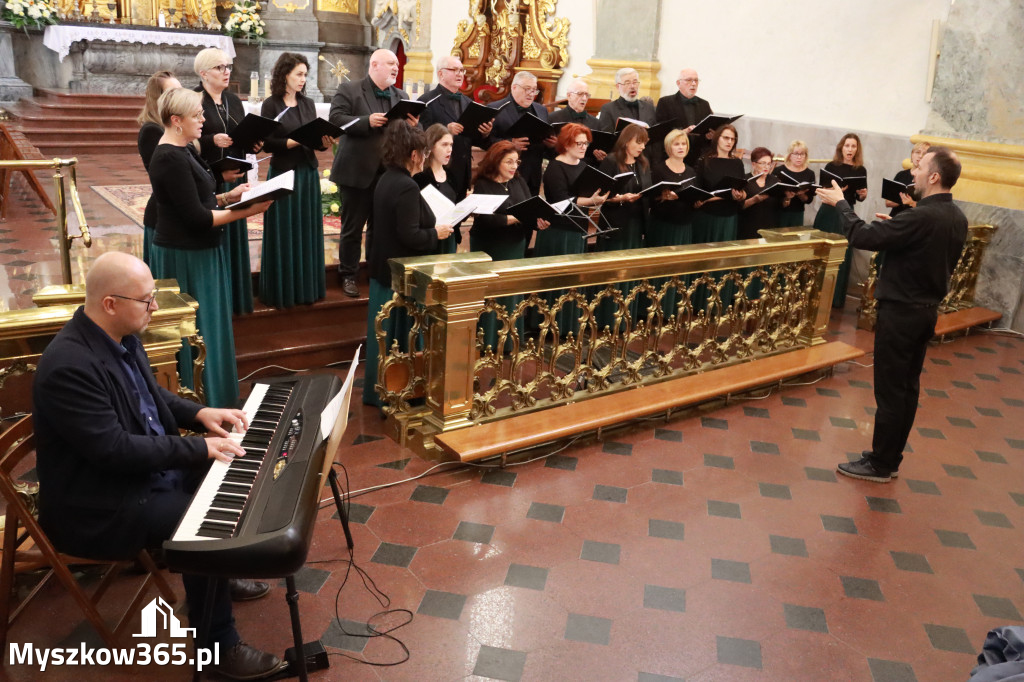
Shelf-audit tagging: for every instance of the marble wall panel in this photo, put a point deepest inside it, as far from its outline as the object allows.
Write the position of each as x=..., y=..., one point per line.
x=1001, y=278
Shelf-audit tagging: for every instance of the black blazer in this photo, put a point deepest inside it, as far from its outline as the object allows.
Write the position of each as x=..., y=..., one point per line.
x=691, y=113
x=617, y=108
x=303, y=112
x=357, y=162
x=444, y=111
x=403, y=224
x=215, y=123
x=94, y=456
x=533, y=157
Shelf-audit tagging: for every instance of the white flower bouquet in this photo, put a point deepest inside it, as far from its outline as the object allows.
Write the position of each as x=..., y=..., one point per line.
x=245, y=22
x=24, y=13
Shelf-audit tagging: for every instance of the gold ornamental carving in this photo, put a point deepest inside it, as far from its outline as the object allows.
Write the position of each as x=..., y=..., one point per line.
x=342, y=6
x=290, y=7
x=503, y=37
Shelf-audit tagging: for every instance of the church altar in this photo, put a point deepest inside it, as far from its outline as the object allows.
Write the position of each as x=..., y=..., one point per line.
x=60, y=37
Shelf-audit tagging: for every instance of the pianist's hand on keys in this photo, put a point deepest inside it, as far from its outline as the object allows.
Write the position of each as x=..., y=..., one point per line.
x=224, y=446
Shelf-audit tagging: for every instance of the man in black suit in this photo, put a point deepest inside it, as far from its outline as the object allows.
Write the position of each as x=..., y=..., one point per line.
x=446, y=106
x=531, y=156
x=575, y=111
x=688, y=108
x=115, y=476
x=357, y=164
x=628, y=104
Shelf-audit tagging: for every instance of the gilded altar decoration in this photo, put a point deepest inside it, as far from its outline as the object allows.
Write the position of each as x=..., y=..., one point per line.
x=503, y=37
x=290, y=7
x=25, y=13
x=342, y=6
x=397, y=18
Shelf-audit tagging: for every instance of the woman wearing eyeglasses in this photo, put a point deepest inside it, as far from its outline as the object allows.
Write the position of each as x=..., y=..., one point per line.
x=717, y=219
x=794, y=171
x=223, y=111
x=189, y=231
x=760, y=209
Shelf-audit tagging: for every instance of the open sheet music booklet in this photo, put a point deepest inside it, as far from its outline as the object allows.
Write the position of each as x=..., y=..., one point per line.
x=448, y=213
x=276, y=187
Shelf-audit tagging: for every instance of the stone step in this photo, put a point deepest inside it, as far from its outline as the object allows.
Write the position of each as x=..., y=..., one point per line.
x=48, y=136
x=77, y=107
x=131, y=101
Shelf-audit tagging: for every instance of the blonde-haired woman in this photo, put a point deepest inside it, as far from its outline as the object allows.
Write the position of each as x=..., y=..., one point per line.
x=906, y=176
x=189, y=232
x=793, y=171
x=150, y=131
x=223, y=111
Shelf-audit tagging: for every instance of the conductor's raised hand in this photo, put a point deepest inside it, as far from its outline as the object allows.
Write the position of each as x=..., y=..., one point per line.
x=830, y=195
x=378, y=120
x=220, y=421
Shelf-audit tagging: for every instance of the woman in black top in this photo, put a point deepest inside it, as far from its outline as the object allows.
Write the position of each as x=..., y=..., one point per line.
x=847, y=162
x=150, y=131
x=439, y=153
x=671, y=217
x=223, y=111
x=501, y=236
x=717, y=219
x=906, y=176
x=403, y=226
x=760, y=209
x=627, y=210
x=187, y=245
x=292, y=259
x=794, y=171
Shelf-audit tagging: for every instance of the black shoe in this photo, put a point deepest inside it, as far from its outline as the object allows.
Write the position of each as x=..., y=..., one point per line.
x=349, y=286
x=864, y=470
x=247, y=590
x=243, y=662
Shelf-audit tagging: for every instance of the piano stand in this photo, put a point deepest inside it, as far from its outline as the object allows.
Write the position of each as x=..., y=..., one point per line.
x=342, y=514
x=292, y=597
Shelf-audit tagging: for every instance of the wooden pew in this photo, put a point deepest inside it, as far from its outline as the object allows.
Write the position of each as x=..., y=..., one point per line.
x=534, y=428
x=963, y=319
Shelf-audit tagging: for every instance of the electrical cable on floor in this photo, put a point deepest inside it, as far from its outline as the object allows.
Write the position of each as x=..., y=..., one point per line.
x=1001, y=331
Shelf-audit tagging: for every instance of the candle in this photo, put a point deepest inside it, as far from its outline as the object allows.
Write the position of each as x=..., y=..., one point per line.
x=160, y=20
x=266, y=85
x=254, y=85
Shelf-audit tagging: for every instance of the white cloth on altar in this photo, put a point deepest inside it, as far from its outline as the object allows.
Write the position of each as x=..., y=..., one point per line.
x=60, y=37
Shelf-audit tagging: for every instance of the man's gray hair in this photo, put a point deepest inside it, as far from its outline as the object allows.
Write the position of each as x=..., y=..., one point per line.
x=523, y=77
x=623, y=72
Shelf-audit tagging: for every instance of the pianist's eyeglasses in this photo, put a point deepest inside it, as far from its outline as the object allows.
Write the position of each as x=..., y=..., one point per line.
x=147, y=301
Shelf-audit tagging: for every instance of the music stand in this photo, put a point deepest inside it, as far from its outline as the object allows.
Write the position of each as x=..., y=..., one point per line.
x=580, y=217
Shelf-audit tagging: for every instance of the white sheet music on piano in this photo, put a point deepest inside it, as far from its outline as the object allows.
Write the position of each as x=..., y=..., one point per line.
x=201, y=503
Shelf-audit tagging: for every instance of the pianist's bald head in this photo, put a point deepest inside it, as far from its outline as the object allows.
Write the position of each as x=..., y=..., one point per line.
x=117, y=288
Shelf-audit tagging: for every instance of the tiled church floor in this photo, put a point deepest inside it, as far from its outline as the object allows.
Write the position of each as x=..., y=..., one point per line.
x=719, y=545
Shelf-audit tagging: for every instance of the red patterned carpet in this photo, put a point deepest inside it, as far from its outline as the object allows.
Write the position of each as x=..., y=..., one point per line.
x=131, y=201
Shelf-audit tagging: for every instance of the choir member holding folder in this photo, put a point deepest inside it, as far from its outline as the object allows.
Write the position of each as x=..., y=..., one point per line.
x=150, y=131
x=761, y=207
x=905, y=177
x=434, y=173
x=847, y=169
x=403, y=226
x=794, y=171
x=671, y=215
x=292, y=260
x=687, y=107
x=189, y=236
x=575, y=111
x=223, y=111
x=719, y=170
x=532, y=151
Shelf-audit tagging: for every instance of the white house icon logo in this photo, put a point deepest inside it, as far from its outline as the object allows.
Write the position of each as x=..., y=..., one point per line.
x=158, y=615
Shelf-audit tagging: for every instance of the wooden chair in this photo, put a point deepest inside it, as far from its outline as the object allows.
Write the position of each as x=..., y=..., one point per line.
x=26, y=547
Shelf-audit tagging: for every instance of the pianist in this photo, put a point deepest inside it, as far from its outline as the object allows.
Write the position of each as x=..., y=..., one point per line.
x=114, y=474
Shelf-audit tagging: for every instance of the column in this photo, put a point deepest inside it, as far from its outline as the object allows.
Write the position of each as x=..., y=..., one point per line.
x=627, y=34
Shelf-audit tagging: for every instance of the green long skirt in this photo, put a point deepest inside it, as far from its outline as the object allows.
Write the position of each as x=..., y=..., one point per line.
x=397, y=327
x=789, y=217
x=628, y=236
x=236, y=245
x=499, y=250
x=560, y=242
x=828, y=220
x=203, y=275
x=292, y=262
x=667, y=233
x=713, y=228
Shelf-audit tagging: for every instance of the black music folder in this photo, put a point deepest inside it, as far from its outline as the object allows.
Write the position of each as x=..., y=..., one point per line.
x=531, y=127
x=603, y=140
x=477, y=115
x=730, y=183
x=691, y=193
x=252, y=130
x=527, y=212
x=311, y=134
x=230, y=163
x=592, y=180
x=713, y=122
x=851, y=182
x=891, y=190
x=404, y=107
x=656, y=189
x=655, y=133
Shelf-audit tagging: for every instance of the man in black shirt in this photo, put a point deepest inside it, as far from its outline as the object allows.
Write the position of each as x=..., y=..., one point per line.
x=687, y=107
x=922, y=246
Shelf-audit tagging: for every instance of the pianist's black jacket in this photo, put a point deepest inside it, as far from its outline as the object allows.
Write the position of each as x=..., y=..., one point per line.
x=95, y=461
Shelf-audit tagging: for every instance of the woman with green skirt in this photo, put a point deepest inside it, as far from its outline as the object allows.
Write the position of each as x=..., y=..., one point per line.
x=671, y=217
x=223, y=112
x=794, y=171
x=501, y=236
x=439, y=153
x=151, y=129
x=403, y=226
x=848, y=162
x=187, y=244
x=292, y=259
x=565, y=235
